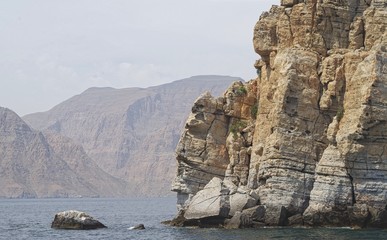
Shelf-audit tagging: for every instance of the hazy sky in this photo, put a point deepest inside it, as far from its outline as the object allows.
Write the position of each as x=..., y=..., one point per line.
x=51, y=50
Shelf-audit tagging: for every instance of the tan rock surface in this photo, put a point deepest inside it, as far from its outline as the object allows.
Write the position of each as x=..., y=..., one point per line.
x=314, y=152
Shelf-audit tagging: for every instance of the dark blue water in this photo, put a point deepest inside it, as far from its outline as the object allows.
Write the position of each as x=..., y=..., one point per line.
x=31, y=219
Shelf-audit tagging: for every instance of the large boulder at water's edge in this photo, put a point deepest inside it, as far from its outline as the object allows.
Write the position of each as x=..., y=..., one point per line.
x=73, y=219
x=217, y=201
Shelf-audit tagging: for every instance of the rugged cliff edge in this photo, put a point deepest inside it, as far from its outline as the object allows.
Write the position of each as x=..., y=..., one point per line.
x=304, y=143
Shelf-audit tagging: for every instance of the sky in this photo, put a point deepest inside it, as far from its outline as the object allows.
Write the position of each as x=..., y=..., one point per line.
x=51, y=50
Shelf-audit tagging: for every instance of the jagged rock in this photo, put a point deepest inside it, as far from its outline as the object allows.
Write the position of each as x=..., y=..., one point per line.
x=256, y=213
x=378, y=217
x=314, y=150
x=359, y=215
x=240, y=201
x=204, y=149
x=276, y=215
x=234, y=222
x=75, y=220
x=251, y=217
x=289, y=3
x=218, y=199
x=296, y=220
x=201, y=151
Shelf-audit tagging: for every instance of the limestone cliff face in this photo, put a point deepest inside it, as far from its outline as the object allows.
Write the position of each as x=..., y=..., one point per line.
x=307, y=137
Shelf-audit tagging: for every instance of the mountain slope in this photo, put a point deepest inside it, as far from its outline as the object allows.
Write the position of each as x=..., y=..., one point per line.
x=33, y=164
x=131, y=133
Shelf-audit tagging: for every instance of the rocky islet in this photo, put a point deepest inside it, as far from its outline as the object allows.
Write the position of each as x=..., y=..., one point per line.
x=75, y=220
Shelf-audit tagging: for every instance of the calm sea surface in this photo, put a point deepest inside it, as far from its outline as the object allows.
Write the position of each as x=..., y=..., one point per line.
x=31, y=219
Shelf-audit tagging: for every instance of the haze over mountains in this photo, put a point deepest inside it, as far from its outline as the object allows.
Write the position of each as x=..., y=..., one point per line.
x=129, y=133
x=37, y=164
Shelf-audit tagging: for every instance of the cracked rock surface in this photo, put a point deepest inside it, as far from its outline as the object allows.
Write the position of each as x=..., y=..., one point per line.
x=306, y=139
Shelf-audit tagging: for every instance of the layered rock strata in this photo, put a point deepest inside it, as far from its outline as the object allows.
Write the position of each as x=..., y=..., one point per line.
x=306, y=139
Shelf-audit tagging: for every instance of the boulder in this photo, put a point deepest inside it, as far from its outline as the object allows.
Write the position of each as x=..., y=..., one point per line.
x=240, y=201
x=218, y=199
x=256, y=214
x=234, y=222
x=76, y=220
x=251, y=217
x=276, y=216
x=212, y=201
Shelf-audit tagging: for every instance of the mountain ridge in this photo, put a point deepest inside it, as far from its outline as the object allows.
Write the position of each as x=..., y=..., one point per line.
x=131, y=133
x=33, y=165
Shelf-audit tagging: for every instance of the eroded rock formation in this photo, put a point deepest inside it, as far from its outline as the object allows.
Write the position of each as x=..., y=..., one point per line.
x=306, y=139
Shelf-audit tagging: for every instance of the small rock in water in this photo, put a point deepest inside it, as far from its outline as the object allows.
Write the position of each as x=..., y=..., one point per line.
x=77, y=220
x=137, y=227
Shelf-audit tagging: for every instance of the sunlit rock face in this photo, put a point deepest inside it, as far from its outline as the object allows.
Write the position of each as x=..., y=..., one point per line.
x=307, y=137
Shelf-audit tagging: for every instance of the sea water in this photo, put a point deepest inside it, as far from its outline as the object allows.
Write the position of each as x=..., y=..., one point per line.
x=31, y=219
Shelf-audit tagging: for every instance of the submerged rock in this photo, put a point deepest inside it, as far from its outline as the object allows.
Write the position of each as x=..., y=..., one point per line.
x=77, y=220
x=138, y=227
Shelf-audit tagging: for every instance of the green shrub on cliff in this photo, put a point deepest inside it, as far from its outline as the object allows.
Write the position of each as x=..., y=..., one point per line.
x=241, y=91
x=237, y=127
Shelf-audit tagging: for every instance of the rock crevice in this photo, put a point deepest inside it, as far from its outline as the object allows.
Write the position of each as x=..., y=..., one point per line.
x=306, y=138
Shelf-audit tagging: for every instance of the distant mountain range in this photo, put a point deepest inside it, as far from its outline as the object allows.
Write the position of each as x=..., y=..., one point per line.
x=128, y=136
x=37, y=164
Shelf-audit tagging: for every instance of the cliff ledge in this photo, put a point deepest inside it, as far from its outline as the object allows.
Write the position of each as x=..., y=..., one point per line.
x=305, y=142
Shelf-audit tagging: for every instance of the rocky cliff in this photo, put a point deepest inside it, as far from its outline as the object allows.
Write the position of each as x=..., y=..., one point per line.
x=304, y=143
x=131, y=133
x=35, y=164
